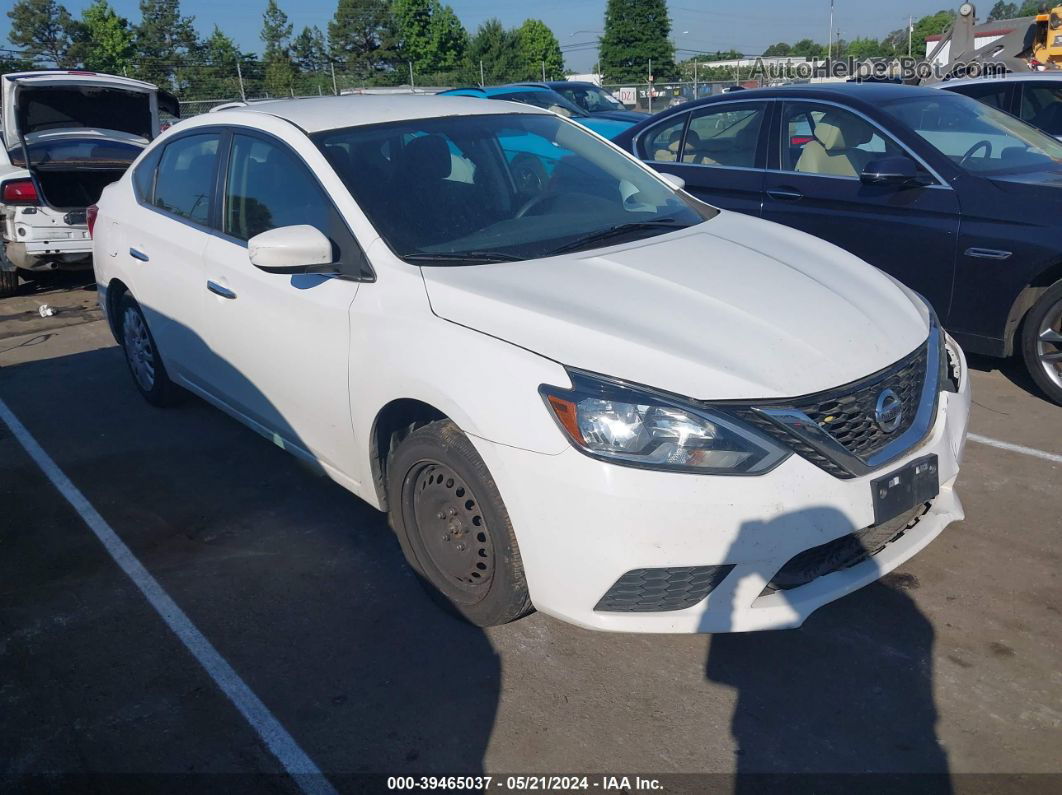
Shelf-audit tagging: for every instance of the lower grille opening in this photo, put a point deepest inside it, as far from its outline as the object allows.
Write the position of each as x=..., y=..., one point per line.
x=843, y=552
x=659, y=590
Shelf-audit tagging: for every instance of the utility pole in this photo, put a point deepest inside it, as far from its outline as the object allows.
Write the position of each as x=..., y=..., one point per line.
x=695, y=78
x=481, y=81
x=829, y=39
x=650, y=91
x=910, y=33
x=239, y=76
x=543, y=71
x=335, y=88
x=411, y=86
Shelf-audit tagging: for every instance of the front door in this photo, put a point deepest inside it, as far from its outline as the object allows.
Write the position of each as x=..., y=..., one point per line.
x=281, y=341
x=909, y=232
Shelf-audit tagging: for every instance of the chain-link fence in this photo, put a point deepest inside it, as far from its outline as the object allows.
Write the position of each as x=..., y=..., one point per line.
x=655, y=97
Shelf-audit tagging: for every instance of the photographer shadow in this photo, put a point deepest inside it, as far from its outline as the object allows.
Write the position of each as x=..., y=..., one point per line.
x=848, y=693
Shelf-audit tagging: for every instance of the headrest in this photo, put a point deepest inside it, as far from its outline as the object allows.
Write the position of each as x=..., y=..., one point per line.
x=427, y=157
x=837, y=132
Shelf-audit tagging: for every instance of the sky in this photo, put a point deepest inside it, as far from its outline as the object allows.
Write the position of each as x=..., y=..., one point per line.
x=708, y=25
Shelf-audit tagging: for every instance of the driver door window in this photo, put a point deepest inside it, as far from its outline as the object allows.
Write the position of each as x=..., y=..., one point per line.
x=830, y=141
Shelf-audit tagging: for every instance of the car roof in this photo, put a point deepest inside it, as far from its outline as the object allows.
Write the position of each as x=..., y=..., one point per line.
x=1009, y=77
x=867, y=93
x=490, y=91
x=352, y=110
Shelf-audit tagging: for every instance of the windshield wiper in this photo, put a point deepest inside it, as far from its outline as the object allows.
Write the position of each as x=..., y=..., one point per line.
x=601, y=235
x=462, y=256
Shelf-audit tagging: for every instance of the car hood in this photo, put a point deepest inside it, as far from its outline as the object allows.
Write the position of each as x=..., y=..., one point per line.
x=733, y=308
x=608, y=128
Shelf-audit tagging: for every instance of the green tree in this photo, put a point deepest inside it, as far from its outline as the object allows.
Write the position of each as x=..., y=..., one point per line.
x=862, y=48
x=449, y=38
x=104, y=40
x=309, y=50
x=1003, y=10
x=45, y=28
x=931, y=25
x=276, y=33
x=165, y=42
x=215, y=75
x=427, y=35
x=637, y=32
x=358, y=36
x=496, y=49
x=540, y=51
x=806, y=48
x=780, y=49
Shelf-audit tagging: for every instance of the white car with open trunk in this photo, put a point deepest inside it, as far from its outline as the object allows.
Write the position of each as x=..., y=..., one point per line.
x=570, y=384
x=66, y=135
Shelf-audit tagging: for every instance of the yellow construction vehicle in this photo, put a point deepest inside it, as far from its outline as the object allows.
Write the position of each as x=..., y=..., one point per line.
x=1047, y=40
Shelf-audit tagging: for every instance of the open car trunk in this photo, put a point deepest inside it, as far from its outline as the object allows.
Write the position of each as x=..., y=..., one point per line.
x=75, y=188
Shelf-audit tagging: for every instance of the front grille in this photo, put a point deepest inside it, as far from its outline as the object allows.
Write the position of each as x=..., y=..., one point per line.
x=847, y=412
x=658, y=590
x=843, y=552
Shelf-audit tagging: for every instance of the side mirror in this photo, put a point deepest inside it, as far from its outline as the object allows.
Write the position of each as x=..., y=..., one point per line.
x=896, y=170
x=291, y=249
x=677, y=182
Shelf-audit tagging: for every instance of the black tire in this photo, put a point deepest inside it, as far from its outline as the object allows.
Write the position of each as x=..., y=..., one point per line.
x=453, y=527
x=8, y=283
x=136, y=341
x=1047, y=311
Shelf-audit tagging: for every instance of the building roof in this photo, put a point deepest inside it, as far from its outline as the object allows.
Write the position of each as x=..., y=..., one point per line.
x=350, y=110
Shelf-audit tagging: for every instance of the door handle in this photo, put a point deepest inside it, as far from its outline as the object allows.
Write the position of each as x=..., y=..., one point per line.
x=136, y=253
x=785, y=195
x=217, y=289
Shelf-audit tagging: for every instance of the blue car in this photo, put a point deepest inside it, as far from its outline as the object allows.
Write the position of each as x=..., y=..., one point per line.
x=954, y=198
x=543, y=97
x=593, y=99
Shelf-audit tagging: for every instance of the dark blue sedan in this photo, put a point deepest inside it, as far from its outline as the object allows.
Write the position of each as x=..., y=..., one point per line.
x=957, y=200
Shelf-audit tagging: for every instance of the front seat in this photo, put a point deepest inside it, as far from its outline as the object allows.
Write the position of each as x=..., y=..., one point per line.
x=833, y=150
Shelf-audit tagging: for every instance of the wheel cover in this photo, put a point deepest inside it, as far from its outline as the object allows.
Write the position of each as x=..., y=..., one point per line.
x=138, y=349
x=452, y=529
x=1049, y=344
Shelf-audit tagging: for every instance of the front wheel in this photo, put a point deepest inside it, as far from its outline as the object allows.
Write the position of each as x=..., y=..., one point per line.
x=1041, y=344
x=453, y=526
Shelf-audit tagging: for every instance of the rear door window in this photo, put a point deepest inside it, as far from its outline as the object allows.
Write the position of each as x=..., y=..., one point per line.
x=184, y=186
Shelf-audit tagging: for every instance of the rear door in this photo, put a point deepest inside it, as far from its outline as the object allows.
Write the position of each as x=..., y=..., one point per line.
x=719, y=150
x=280, y=342
x=164, y=240
x=813, y=184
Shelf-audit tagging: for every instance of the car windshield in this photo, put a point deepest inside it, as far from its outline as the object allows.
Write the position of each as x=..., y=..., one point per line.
x=975, y=136
x=480, y=188
x=591, y=98
x=544, y=98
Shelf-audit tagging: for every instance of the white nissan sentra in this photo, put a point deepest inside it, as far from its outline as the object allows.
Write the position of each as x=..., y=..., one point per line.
x=571, y=385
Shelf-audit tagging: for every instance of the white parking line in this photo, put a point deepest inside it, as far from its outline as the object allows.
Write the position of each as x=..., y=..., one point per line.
x=1015, y=448
x=283, y=746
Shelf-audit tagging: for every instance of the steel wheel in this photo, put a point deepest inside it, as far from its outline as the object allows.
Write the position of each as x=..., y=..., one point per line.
x=452, y=529
x=1049, y=344
x=138, y=348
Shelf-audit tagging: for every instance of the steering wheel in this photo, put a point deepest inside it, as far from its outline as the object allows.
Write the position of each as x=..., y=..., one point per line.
x=986, y=145
x=534, y=201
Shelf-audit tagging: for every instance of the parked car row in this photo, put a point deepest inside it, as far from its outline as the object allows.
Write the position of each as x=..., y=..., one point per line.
x=591, y=377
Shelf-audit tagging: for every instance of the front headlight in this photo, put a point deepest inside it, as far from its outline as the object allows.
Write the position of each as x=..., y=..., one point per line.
x=636, y=427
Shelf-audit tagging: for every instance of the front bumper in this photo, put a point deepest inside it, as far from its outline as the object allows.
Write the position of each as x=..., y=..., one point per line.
x=581, y=524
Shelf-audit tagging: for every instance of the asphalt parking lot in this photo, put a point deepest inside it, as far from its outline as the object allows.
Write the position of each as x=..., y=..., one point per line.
x=948, y=666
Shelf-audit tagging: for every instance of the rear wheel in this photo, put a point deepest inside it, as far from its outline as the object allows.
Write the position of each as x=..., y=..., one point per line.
x=1042, y=342
x=453, y=526
x=8, y=283
x=142, y=356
